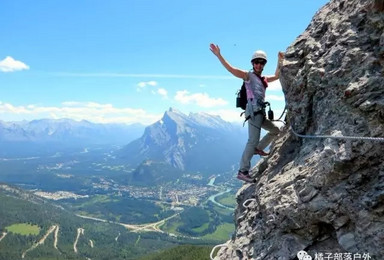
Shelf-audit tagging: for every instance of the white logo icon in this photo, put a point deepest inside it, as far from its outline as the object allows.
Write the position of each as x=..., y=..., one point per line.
x=302, y=255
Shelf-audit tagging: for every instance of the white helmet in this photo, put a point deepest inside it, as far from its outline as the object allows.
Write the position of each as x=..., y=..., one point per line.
x=259, y=54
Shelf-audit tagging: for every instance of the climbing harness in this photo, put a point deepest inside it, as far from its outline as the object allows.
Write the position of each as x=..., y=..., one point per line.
x=270, y=114
x=378, y=139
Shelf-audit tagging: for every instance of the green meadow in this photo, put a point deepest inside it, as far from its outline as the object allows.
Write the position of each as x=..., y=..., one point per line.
x=24, y=229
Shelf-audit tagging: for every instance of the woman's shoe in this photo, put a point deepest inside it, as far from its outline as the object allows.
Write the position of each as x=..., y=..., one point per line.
x=260, y=152
x=244, y=176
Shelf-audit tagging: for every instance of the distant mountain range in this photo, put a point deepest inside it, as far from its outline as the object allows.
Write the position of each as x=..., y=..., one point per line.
x=197, y=142
x=49, y=135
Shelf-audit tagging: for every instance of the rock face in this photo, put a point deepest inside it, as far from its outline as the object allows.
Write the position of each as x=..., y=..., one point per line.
x=324, y=196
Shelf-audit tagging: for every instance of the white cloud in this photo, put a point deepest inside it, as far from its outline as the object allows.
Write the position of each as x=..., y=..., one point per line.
x=230, y=115
x=200, y=99
x=91, y=111
x=162, y=92
x=9, y=64
x=159, y=91
x=274, y=85
x=143, y=84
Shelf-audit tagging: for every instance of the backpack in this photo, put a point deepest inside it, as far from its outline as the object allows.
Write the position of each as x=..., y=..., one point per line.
x=241, y=99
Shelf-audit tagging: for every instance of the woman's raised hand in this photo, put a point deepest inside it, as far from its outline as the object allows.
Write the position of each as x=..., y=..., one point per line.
x=215, y=49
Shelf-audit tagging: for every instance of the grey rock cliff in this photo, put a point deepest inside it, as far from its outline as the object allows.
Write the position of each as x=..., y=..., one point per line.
x=323, y=195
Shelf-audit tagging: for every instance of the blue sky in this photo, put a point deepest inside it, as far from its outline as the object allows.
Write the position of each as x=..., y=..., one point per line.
x=129, y=61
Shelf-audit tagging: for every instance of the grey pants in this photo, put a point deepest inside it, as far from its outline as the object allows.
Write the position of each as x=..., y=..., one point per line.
x=254, y=128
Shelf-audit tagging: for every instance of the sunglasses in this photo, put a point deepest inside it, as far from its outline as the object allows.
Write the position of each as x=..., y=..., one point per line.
x=259, y=61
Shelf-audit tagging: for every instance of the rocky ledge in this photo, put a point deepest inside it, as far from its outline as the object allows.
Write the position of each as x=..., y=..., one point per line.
x=324, y=196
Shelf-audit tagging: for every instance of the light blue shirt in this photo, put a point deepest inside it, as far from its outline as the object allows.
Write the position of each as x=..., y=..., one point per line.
x=255, y=93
